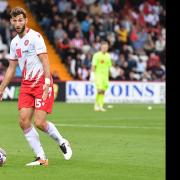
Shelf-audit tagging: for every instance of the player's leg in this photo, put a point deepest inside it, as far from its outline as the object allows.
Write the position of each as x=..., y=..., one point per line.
x=40, y=114
x=99, y=104
x=98, y=82
x=101, y=99
x=30, y=132
x=104, y=87
x=96, y=104
x=46, y=126
x=49, y=128
x=101, y=85
x=26, y=111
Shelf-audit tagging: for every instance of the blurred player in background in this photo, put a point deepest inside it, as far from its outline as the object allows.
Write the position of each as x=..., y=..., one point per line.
x=101, y=64
x=36, y=94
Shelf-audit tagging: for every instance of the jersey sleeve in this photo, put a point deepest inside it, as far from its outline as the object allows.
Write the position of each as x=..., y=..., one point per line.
x=39, y=44
x=12, y=55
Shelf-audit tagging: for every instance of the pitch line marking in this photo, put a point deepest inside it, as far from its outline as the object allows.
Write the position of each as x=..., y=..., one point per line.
x=105, y=126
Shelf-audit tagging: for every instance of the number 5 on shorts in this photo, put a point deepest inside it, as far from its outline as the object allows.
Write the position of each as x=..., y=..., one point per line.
x=38, y=103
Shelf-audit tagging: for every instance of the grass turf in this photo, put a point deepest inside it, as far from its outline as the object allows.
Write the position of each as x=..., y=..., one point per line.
x=125, y=143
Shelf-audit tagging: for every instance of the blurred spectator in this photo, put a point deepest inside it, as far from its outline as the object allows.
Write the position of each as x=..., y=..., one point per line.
x=139, y=38
x=126, y=23
x=123, y=35
x=85, y=25
x=64, y=45
x=82, y=11
x=158, y=72
x=87, y=61
x=83, y=73
x=58, y=33
x=117, y=6
x=116, y=73
x=145, y=7
x=106, y=7
x=97, y=43
x=149, y=45
x=77, y=42
x=64, y=6
x=95, y=8
x=141, y=67
x=160, y=44
x=89, y=2
x=153, y=61
x=132, y=62
x=71, y=30
x=152, y=18
x=122, y=62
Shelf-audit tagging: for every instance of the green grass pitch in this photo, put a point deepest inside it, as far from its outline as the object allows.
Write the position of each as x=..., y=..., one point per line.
x=125, y=143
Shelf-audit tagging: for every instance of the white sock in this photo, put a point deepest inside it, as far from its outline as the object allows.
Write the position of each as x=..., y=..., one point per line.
x=32, y=137
x=54, y=133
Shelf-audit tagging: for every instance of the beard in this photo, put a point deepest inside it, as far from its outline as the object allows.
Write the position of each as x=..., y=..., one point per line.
x=22, y=30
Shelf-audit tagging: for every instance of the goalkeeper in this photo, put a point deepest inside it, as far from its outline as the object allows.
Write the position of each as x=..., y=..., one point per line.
x=101, y=64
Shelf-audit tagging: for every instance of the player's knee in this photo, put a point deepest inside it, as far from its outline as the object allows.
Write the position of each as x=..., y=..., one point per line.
x=100, y=91
x=40, y=124
x=24, y=123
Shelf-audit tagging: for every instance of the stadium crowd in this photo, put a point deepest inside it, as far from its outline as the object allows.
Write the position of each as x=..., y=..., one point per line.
x=135, y=31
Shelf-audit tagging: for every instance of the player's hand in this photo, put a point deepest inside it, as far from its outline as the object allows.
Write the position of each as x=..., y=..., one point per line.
x=46, y=91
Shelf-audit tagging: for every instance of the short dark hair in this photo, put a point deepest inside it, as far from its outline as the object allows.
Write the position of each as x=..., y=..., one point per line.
x=17, y=11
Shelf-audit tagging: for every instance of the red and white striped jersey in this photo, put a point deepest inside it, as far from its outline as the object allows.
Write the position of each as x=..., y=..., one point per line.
x=26, y=51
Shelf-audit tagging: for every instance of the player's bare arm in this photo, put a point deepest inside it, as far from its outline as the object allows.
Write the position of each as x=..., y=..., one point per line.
x=8, y=76
x=44, y=60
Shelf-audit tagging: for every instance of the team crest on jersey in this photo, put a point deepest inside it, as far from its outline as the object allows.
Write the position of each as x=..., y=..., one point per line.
x=26, y=42
x=102, y=61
